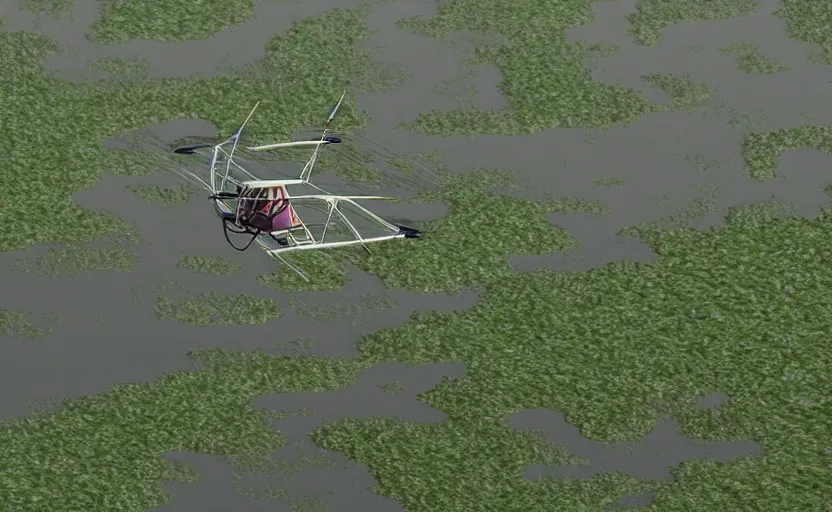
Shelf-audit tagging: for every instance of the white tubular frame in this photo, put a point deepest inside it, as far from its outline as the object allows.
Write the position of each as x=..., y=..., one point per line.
x=332, y=201
x=303, y=179
x=294, y=144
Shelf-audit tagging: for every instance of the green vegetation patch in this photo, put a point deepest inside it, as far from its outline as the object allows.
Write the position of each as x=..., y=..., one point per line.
x=18, y=324
x=296, y=346
x=473, y=243
x=210, y=265
x=751, y=61
x=175, y=20
x=72, y=260
x=56, y=129
x=324, y=269
x=468, y=465
x=164, y=195
x=760, y=214
x=761, y=151
x=702, y=163
x=54, y=8
x=610, y=182
x=259, y=463
x=535, y=61
x=104, y=452
x=747, y=120
x=655, y=231
x=544, y=80
x=686, y=94
x=596, y=50
x=738, y=310
x=267, y=492
x=366, y=303
x=809, y=22
x=308, y=504
x=120, y=66
x=219, y=309
x=393, y=387
x=292, y=413
x=652, y=16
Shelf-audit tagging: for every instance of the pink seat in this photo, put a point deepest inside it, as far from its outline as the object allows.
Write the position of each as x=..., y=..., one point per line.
x=283, y=220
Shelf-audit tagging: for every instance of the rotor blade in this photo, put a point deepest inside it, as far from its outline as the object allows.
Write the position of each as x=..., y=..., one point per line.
x=335, y=109
x=352, y=198
x=248, y=118
x=294, y=144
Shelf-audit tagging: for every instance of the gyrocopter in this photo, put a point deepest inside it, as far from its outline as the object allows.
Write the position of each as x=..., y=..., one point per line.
x=280, y=222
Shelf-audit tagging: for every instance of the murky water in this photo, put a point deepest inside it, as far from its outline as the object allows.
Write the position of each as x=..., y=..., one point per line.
x=111, y=335
x=651, y=458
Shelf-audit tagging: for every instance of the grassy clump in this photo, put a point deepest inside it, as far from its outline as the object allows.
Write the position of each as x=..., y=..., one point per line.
x=73, y=260
x=210, y=265
x=654, y=231
x=54, y=8
x=19, y=324
x=308, y=505
x=176, y=20
x=268, y=492
x=751, y=61
x=393, y=387
x=760, y=214
x=113, y=460
x=468, y=465
x=544, y=80
x=260, y=464
x=271, y=414
x=324, y=269
x=219, y=309
x=57, y=128
x=121, y=66
x=684, y=92
x=366, y=303
x=809, y=22
x=747, y=120
x=164, y=195
x=702, y=163
x=297, y=346
x=597, y=50
x=739, y=310
x=610, y=182
x=652, y=16
x=761, y=151
x=473, y=243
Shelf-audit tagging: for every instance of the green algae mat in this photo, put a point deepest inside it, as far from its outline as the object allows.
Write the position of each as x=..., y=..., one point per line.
x=742, y=309
x=54, y=130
